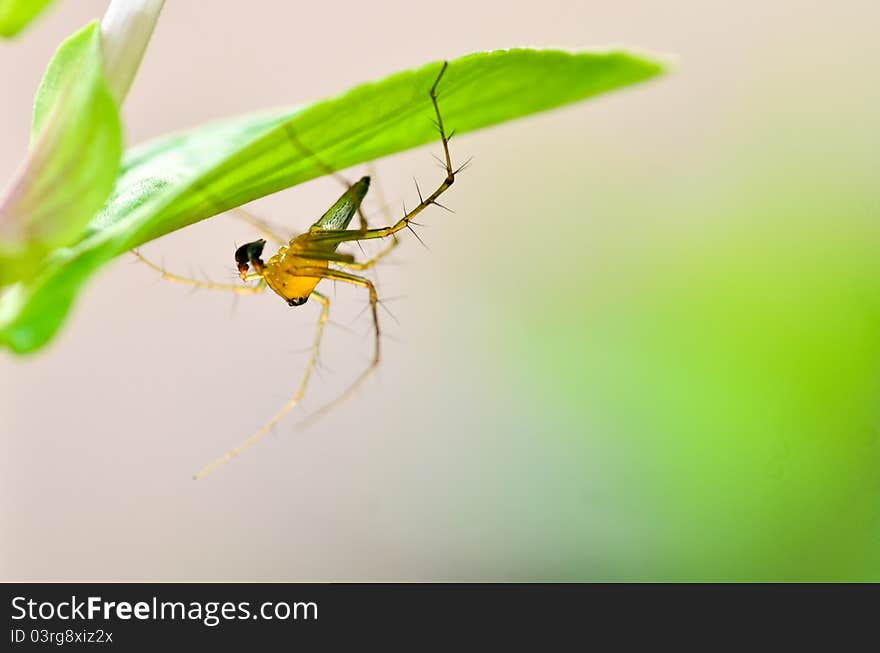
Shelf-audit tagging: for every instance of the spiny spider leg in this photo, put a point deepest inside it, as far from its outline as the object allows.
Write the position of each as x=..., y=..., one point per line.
x=348, y=235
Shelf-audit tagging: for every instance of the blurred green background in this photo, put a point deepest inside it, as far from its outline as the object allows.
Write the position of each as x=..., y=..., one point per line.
x=646, y=346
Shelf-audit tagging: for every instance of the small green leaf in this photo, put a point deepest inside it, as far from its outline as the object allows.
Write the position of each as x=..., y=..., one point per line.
x=15, y=15
x=176, y=181
x=76, y=146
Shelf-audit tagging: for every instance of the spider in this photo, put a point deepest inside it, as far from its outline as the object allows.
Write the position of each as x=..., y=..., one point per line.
x=302, y=262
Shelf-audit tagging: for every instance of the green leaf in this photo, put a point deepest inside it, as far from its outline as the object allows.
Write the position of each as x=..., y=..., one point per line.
x=176, y=181
x=73, y=161
x=15, y=15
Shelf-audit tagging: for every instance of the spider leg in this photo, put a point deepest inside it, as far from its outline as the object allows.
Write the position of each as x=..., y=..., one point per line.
x=259, y=225
x=348, y=235
x=340, y=275
x=196, y=283
x=290, y=405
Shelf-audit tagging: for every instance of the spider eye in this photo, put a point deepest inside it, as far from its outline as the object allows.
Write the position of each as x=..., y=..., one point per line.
x=241, y=255
x=255, y=249
x=249, y=252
